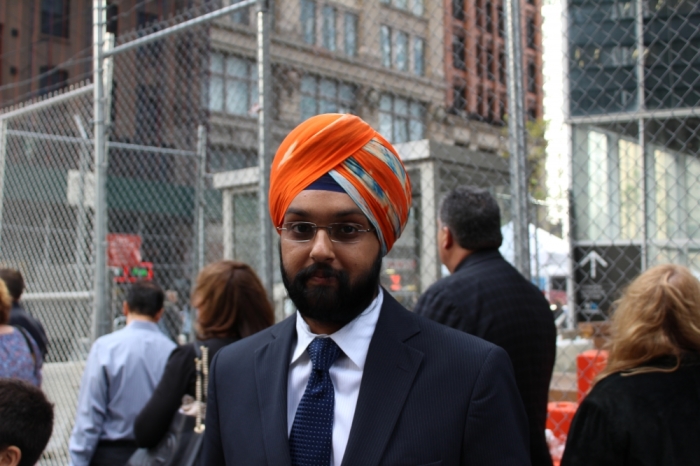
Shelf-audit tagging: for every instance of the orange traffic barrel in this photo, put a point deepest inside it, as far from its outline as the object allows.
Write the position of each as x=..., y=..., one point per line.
x=559, y=417
x=588, y=365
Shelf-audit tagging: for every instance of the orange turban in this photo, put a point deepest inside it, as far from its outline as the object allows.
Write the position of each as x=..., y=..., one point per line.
x=358, y=158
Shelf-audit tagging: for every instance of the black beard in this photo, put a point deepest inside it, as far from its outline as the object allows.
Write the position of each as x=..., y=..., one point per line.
x=328, y=305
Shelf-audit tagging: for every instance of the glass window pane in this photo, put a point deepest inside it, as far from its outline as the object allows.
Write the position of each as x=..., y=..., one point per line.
x=416, y=130
x=631, y=196
x=385, y=33
x=417, y=110
x=328, y=106
x=308, y=107
x=418, y=8
x=328, y=88
x=400, y=106
x=385, y=103
x=216, y=94
x=253, y=84
x=400, y=130
x=329, y=27
x=308, y=85
x=418, y=63
x=402, y=51
x=347, y=92
x=237, y=67
x=385, y=125
x=350, y=34
x=598, y=188
x=308, y=21
x=216, y=64
x=236, y=97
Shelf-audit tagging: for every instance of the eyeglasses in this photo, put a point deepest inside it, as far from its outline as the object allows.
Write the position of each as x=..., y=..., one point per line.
x=303, y=232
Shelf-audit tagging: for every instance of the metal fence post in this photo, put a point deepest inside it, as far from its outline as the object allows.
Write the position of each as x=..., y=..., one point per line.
x=3, y=157
x=517, y=138
x=264, y=158
x=100, y=323
x=199, y=201
x=81, y=282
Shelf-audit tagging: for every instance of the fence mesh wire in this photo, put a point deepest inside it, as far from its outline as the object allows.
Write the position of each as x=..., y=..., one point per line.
x=611, y=95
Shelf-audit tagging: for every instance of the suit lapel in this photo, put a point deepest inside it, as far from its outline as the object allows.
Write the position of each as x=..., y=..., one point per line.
x=271, y=372
x=388, y=376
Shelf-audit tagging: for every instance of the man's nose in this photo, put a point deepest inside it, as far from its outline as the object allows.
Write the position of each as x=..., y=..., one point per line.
x=322, y=246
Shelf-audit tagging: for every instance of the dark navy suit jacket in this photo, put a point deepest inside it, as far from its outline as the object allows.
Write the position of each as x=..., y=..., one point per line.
x=430, y=395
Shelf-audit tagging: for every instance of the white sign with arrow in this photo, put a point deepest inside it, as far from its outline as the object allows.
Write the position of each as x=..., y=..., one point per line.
x=594, y=258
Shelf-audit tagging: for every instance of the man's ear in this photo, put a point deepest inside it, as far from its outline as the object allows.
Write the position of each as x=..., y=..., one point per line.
x=10, y=456
x=447, y=239
x=158, y=315
x=125, y=309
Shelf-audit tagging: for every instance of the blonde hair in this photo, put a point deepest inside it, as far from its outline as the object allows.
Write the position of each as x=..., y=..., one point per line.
x=658, y=315
x=5, y=303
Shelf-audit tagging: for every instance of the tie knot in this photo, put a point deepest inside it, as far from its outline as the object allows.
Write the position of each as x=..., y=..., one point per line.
x=323, y=353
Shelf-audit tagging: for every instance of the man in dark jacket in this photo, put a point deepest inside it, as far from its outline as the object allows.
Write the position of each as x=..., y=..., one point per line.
x=18, y=316
x=485, y=296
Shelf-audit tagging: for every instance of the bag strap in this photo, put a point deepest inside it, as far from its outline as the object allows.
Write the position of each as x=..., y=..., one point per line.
x=202, y=383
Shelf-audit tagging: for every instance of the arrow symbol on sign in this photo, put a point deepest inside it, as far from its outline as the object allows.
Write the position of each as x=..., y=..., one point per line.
x=594, y=258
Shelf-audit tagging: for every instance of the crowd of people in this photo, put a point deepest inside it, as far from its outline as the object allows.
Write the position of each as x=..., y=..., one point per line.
x=352, y=377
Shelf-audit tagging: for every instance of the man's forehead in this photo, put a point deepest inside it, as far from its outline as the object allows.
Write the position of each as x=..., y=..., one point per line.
x=317, y=203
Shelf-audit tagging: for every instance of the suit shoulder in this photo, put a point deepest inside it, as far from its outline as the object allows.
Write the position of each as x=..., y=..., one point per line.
x=445, y=337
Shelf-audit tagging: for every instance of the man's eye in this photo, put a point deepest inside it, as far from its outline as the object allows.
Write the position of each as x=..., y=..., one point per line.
x=301, y=228
x=347, y=229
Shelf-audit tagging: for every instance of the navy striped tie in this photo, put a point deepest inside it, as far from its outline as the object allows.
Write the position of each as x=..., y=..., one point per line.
x=311, y=439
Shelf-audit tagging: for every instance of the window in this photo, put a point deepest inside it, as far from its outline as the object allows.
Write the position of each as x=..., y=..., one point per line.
x=329, y=32
x=479, y=59
x=385, y=33
x=531, y=32
x=418, y=7
x=54, y=17
x=502, y=107
x=239, y=16
x=459, y=98
x=401, y=59
x=418, y=56
x=479, y=14
x=144, y=21
x=400, y=119
x=458, y=9
x=321, y=95
x=51, y=79
x=490, y=74
x=350, y=35
x=501, y=21
x=308, y=21
x=531, y=77
x=233, y=85
x=502, y=67
x=458, y=53
x=489, y=109
x=112, y=17
x=148, y=114
x=225, y=158
x=488, y=16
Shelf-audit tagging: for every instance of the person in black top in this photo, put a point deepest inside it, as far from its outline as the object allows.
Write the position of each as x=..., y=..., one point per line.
x=18, y=316
x=231, y=304
x=487, y=297
x=644, y=409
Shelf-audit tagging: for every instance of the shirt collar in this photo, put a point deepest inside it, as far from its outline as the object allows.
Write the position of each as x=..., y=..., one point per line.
x=353, y=339
x=143, y=325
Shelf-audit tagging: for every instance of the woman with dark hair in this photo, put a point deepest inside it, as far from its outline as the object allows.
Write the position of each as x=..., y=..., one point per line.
x=645, y=406
x=231, y=304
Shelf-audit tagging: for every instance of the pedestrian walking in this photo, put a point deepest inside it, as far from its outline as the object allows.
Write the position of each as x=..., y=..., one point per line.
x=19, y=317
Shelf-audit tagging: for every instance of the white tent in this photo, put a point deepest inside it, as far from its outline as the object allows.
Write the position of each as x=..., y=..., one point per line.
x=549, y=254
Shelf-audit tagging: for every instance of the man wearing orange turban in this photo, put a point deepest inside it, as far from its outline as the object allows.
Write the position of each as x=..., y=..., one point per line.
x=354, y=378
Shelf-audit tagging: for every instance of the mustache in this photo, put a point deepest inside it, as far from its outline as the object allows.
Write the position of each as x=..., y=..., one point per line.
x=318, y=270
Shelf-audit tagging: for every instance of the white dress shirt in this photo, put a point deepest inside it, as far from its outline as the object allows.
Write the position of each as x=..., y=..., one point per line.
x=346, y=373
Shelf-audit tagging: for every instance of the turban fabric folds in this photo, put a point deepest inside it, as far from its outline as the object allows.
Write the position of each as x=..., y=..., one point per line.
x=358, y=158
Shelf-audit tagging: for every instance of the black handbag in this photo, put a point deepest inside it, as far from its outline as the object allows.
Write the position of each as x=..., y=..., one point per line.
x=182, y=443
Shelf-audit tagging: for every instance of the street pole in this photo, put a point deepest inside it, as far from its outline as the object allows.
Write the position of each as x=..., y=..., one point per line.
x=517, y=144
x=100, y=317
x=264, y=158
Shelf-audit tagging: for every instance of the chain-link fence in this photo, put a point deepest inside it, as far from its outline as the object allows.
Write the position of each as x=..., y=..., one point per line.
x=612, y=171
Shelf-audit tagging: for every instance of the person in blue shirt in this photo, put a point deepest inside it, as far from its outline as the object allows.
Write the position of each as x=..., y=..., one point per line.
x=122, y=370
